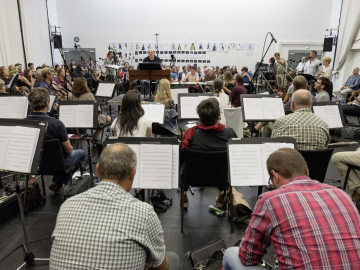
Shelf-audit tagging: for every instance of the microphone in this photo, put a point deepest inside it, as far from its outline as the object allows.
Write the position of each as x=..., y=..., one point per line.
x=75, y=46
x=109, y=47
x=273, y=37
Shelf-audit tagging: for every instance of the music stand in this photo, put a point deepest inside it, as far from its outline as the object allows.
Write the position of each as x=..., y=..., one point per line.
x=150, y=67
x=325, y=115
x=13, y=106
x=192, y=95
x=33, y=157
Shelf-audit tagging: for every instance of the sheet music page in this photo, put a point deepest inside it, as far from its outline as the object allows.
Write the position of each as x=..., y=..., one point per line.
x=154, y=112
x=156, y=165
x=52, y=98
x=321, y=112
x=85, y=117
x=175, y=167
x=18, y=107
x=253, y=108
x=246, y=168
x=333, y=116
x=201, y=98
x=176, y=92
x=21, y=149
x=4, y=142
x=188, y=107
x=266, y=150
x=105, y=89
x=68, y=115
x=273, y=108
x=136, y=148
x=5, y=106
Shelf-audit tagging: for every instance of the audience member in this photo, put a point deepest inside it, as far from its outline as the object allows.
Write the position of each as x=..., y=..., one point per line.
x=201, y=75
x=237, y=91
x=39, y=101
x=174, y=76
x=302, y=218
x=351, y=84
x=308, y=129
x=234, y=71
x=131, y=121
x=183, y=73
x=191, y=76
x=322, y=86
x=217, y=70
x=38, y=78
x=206, y=71
x=48, y=76
x=128, y=232
x=352, y=108
x=246, y=74
x=326, y=71
x=228, y=81
x=224, y=98
x=220, y=74
x=210, y=76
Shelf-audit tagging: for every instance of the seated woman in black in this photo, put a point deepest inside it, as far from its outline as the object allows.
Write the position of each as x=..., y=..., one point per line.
x=352, y=108
x=210, y=135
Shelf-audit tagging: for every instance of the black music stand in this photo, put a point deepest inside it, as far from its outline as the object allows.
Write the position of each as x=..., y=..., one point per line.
x=195, y=95
x=42, y=126
x=150, y=67
x=8, y=100
x=324, y=104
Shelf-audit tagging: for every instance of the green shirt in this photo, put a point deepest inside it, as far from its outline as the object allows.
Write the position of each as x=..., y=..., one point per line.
x=279, y=69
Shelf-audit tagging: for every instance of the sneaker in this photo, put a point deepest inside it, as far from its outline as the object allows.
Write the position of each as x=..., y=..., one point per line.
x=53, y=186
x=356, y=196
x=59, y=191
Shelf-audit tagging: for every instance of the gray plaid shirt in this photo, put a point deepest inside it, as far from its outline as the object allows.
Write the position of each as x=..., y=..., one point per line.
x=106, y=228
x=309, y=130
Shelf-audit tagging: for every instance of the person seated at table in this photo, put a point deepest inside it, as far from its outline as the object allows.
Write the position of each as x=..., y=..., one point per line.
x=163, y=96
x=39, y=101
x=321, y=86
x=352, y=108
x=80, y=91
x=237, y=91
x=201, y=75
x=209, y=135
x=191, y=76
x=131, y=121
x=309, y=130
x=310, y=225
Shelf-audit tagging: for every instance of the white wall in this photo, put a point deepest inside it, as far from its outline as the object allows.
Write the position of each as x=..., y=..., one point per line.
x=97, y=23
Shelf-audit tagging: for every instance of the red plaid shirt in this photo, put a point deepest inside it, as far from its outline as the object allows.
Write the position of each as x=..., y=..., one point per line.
x=311, y=226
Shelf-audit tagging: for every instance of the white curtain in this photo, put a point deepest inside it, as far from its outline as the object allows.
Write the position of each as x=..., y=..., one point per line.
x=349, y=28
x=36, y=32
x=11, y=48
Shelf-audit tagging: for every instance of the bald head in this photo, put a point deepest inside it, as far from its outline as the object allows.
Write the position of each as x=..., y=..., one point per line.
x=151, y=54
x=355, y=71
x=301, y=99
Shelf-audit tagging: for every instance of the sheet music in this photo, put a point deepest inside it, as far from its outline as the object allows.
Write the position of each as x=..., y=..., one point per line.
x=105, y=89
x=5, y=106
x=136, y=148
x=13, y=107
x=68, y=115
x=188, y=107
x=176, y=92
x=52, y=99
x=156, y=165
x=245, y=168
x=201, y=98
x=4, y=142
x=77, y=116
x=321, y=112
x=175, y=167
x=154, y=112
x=253, y=108
x=273, y=108
x=333, y=116
x=21, y=149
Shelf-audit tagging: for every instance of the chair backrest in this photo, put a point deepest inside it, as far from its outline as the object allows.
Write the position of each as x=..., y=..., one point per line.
x=206, y=168
x=52, y=160
x=157, y=129
x=234, y=120
x=318, y=162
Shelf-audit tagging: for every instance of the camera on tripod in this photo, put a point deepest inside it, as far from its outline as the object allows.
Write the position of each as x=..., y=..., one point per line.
x=272, y=60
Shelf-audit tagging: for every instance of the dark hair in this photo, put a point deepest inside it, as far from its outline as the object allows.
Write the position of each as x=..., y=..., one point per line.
x=193, y=67
x=325, y=82
x=80, y=87
x=30, y=64
x=287, y=162
x=277, y=53
x=208, y=111
x=240, y=79
x=289, y=77
x=38, y=98
x=60, y=70
x=130, y=112
x=218, y=85
x=110, y=52
x=315, y=52
x=245, y=69
x=37, y=68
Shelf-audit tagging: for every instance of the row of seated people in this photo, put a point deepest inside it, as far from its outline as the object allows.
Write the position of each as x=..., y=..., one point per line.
x=111, y=209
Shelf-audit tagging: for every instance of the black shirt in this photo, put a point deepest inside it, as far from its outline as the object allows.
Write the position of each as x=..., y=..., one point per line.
x=78, y=69
x=156, y=59
x=56, y=129
x=209, y=140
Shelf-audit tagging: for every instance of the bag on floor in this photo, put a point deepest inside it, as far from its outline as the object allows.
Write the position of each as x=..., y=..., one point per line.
x=243, y=210
x=33, y=196
x=80, y=184
x=208, y=256
x=159, y=200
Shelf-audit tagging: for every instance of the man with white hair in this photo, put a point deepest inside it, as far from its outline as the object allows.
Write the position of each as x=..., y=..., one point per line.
x=352, y=83
x=152, y=58
x=210, y=76
x=309, y=130
x=301, y=66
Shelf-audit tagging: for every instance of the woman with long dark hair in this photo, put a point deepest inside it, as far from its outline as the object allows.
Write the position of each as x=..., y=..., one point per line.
x=131, y=121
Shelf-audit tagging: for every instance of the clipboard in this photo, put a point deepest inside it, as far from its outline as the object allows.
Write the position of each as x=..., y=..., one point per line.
x=195, y=95
x=71, y=123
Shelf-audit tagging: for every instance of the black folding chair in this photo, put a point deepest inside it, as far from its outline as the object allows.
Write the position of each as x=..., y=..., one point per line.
x=52, y=161
x=157, y=129
x=318, y=162
x=351, y=167
x=201, y=172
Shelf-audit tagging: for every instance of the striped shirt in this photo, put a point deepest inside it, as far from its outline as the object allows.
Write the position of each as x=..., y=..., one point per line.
x=310, y=225
x=309, y=130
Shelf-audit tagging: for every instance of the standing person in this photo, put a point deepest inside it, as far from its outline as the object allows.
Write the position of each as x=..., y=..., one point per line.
x=48, y=76
x=237, y=91
x=280, y=72
x=96, y=80
x=351, y=84
x=313, y=65
x=110, y=72
x=326, y=71
x=224, y=98
x=301, y=67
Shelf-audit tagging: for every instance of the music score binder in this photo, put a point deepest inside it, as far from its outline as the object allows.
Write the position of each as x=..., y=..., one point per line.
x=13, y=106
x=188, y=103
x=154, y=111
x=21, y=144
x=247, y=159
x=158, y=161
x=330, y=112
x=106, y=89
x=79, y=114
x=261, y=108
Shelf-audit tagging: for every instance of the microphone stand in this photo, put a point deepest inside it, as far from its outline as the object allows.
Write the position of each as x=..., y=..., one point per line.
x=81, y=48
x=157, y=45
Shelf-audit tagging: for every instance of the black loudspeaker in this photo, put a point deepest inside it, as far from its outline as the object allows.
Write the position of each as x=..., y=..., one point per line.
x=57, y=42
x=328, y=43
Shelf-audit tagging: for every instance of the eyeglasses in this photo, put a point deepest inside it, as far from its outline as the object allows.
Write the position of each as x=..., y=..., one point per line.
x=270, y=183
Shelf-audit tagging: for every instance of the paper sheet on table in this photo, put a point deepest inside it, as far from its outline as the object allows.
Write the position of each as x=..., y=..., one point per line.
x=175, y=167
x=175, y=92
x=156, y=165
x=273, y=108
x=333, y=116
x=105, y=90
x=245, y=165
x=253, y=108
x=154, y=112
x=136, y=148
x=13, y=107
x=77, y=116
x=188, y=107
x=52, y=99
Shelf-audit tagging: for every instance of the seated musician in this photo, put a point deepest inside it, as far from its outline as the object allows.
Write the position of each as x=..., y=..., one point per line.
x=246, y=74
x=60, y=79
x=289, y=78
x=351, y=84
x=131, y=121
x=237, y=91
x=2, y=86
x=352, y=108
x=48, y=76
x=228, y=80
x=6, y=77
x=39, y=101
x=38, y=78
x=321, y=86
x=309, y=130
x=26, y=80
x=80, y=91
x=224, y=98
x=311, y=225
x=210, y=135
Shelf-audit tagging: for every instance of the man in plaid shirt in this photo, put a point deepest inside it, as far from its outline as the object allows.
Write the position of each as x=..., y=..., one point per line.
x=309, y=130
x=310, y=225
x=106, y=227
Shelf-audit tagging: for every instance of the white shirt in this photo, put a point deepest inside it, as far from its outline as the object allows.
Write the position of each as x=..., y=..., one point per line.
x=313, y=68
x=301, y=66
x=224, y=103
x=143, y=125
x=327, y=72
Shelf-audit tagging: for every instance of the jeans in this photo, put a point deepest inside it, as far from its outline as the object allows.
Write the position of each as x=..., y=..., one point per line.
x=174, y=260
x=231, y=261
x=76, y=157
x=351, y=110
x=342, y=94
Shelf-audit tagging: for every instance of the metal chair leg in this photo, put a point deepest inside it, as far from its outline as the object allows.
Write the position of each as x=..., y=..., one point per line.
x=347, y=177
x=230, y=207
x=1, y=183
x=260, y=188
x=191, y=190
x=182, y=207
x=43, y=185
